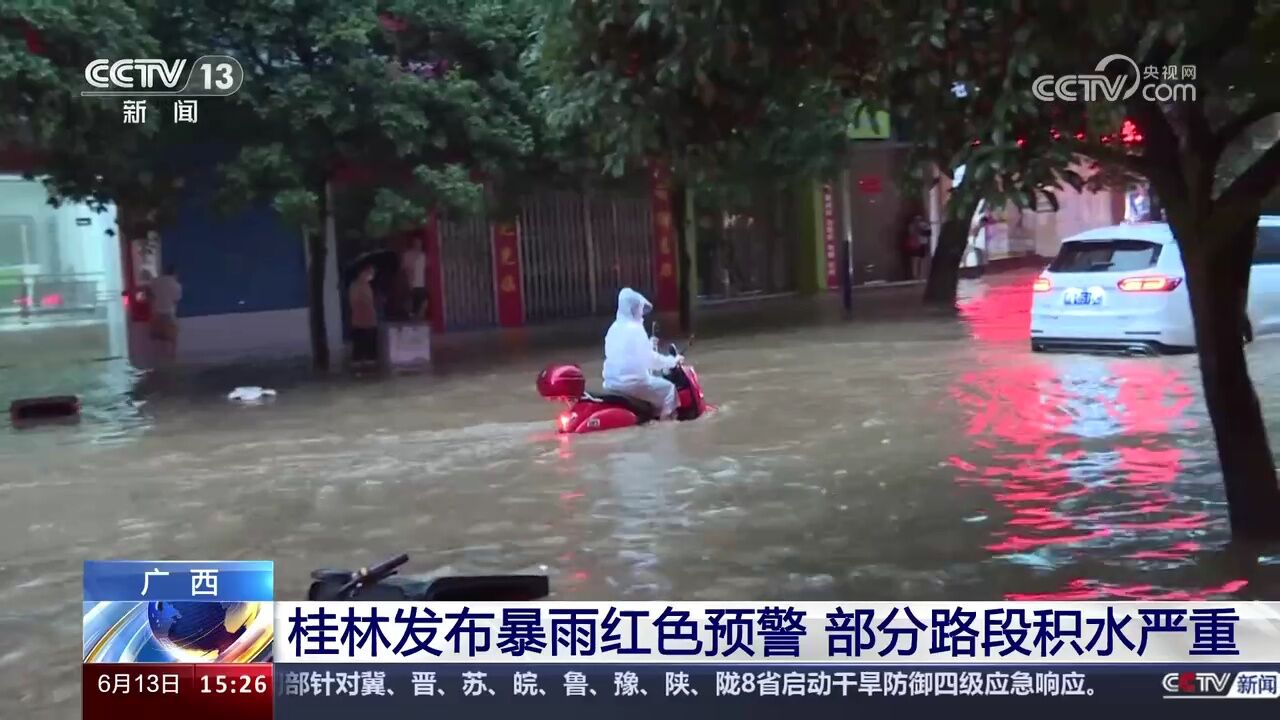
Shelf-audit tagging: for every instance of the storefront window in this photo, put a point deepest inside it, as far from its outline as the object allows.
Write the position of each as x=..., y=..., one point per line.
x=1138, y=206
x=746, y=252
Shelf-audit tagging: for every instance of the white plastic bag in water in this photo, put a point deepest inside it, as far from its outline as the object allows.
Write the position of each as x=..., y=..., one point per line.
x=251, y=394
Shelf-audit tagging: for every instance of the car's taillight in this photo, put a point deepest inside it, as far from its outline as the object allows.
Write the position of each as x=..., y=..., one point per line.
x=1149, y=283
x=564, y=422
x=1043, y=284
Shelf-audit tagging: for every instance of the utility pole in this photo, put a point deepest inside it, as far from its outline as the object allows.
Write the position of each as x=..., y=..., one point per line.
x=846, y=246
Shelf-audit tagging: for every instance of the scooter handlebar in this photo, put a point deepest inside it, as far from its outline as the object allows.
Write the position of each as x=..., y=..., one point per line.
x=385, y=568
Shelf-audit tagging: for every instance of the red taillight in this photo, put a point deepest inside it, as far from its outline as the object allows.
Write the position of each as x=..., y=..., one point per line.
x=1043, y=284
x=564, y=421
x=51, y=300
x=1149, y=283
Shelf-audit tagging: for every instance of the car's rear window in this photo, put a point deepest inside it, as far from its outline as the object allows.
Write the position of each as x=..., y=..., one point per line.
x=1106, y=256
x=1268, y=248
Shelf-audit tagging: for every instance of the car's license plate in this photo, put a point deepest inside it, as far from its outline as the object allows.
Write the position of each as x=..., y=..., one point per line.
x=1078, y=296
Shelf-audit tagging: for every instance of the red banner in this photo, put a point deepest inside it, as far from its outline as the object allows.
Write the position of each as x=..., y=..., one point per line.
x=666, y=285
x=871, y=185
x=506, y=274
x=829, y=237
x=435, y=272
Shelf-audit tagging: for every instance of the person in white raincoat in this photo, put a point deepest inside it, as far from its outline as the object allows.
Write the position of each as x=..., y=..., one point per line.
x=630, y=360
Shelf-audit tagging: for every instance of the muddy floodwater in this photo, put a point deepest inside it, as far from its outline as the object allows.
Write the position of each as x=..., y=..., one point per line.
x=915, y=459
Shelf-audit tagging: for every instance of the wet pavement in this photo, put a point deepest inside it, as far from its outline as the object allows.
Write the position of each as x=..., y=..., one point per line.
x=915, y=459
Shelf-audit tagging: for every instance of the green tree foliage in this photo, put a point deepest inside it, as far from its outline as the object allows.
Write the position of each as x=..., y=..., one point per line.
x=740, y=90
x=421, y=98
x=717, y=90
x=86, y=153
x=954, y=76
x=425, y=101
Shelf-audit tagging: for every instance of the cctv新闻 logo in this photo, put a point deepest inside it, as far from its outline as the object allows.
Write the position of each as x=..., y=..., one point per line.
x=1196, y=684
x=1098, y=85
x=136, y=74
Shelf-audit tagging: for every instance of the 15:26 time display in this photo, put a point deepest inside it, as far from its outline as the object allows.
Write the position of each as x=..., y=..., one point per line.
x=234, y=685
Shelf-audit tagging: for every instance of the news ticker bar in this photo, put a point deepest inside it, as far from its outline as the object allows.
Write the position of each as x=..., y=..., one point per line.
x=709, y=633
x=323, y=691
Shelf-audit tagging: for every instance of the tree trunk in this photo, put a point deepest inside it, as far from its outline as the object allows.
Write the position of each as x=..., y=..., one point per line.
x=1155, y=211
x=317, y=261
x=1244, y=451
x=1241, y=269
x=684, y=256
x=953, y=239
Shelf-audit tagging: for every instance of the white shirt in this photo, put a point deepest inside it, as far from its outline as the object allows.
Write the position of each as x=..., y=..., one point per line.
x=415, y=263
x=166, y=291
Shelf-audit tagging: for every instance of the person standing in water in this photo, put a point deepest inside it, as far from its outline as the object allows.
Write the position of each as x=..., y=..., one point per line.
x=414, y=263
x=915, y=245
x=165, y=292
x=364, y=320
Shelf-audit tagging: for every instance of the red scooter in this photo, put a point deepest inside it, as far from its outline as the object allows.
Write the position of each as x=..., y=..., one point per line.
x=589, y=412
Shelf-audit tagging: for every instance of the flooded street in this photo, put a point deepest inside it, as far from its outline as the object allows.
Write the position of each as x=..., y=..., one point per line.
x=926, y=459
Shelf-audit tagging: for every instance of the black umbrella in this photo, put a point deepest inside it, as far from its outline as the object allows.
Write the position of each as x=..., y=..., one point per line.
x=385, y=263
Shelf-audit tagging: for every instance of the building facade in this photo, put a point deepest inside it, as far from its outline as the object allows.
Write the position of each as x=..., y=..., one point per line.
x=563, y=255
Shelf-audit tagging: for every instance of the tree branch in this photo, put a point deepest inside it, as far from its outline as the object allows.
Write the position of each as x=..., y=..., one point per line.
x=1255, y=182
x=1237, y=125
x=1161, y=149
x=1199, y=133
x=1225, y=37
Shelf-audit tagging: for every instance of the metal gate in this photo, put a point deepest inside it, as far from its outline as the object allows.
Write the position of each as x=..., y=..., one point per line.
x=576, y=252
x=466, y=259
x=555, y=257
x=621, y=243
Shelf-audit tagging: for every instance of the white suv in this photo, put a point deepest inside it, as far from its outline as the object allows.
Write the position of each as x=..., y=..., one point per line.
x=1123, y=289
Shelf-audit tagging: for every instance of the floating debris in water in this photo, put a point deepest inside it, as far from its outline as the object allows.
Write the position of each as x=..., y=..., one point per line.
x=249, y=394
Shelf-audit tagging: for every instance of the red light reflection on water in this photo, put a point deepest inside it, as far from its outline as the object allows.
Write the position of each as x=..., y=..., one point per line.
x=1094, y=590
x=1077, y=453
